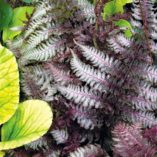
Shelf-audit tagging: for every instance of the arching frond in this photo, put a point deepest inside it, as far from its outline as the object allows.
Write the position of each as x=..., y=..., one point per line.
x=88, y=74
x=146, y=71
x=148, y=92
x=81, y=95
x=36, y=38
x=128, y=141
x=99, y=58
x=42, y=8
x=140, y=103
x=43, y=52
x=146, y=119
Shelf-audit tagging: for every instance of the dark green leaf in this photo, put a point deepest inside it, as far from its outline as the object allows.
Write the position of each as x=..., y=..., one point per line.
x=6, y=13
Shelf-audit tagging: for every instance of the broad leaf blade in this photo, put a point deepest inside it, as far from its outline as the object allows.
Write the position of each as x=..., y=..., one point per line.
x=126, y=26
x=6, y=13
x=32, y=119
x=2, y=154
x=9, y=85
x=18, y=19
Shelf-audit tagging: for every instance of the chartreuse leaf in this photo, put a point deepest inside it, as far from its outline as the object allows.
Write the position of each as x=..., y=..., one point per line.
x=119, y=4
x=113, y=7
x=6, y=13
x=9, y=85
x=32, y=119
x=2, y=154
x=109, y=9
x=19, y=17
x=126, y=26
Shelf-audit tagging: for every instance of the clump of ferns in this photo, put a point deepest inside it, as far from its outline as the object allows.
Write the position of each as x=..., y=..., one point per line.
x=92, y=81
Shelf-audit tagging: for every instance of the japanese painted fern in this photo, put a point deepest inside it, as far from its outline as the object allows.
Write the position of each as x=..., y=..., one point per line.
x=94, y=76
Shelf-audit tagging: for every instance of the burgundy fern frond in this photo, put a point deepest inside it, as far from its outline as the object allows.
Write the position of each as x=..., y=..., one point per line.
x=151, y=135
x=129, y=142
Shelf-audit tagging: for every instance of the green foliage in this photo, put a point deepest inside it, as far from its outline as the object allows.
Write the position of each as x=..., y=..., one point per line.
x=9, y=85
x=126, y=26
x=29, y=120
x=117, y=7
x=113, y=7
x=6, y=13
x=17, y=22
x=32, y=119
x=2, y=154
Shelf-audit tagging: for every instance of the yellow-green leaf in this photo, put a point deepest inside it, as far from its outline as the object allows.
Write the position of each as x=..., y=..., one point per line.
x=109, y=9
x=126, y=26
x=9, y=85
x=2, y=154
x=113, y=7
x=123, y=23
x=18, y=19
x=32, y=119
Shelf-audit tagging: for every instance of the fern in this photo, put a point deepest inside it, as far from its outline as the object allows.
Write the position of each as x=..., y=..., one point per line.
x=99, y=59
x=81, y=95
x=38, y=144
x=60, y=76
x=60, y=136
x=43, y=52
x=37, y=84
x=87, y=9
x=128, y=141
x=93, y=76
x=89, y=150
x=87, y=119
x=88, y=74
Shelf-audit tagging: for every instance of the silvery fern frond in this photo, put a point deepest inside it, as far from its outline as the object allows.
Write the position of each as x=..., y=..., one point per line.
x=35, y=24
x=146, y=119
x=81, y=95
x=99, y=59
x=41, y=53
x=88, y=151
x=87, y=9
x=114, y=45
x=37, y=84
x=53, y=153
x=87, y=119
x=144, y=16
x=87, y=73
x=38, y=144
x=41, y=9
x=140, y=103
x=36, y=38
x=60, y=136
x=145, y=71
x=150, y=93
